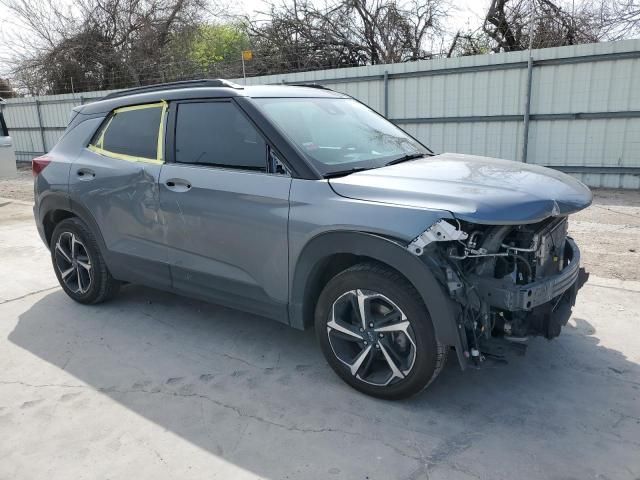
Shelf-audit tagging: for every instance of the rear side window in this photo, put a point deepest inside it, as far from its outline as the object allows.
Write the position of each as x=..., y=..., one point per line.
x=218, y=134
x=132, y=133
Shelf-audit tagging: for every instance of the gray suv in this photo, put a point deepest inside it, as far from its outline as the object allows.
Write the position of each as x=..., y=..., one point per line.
x=305, y=206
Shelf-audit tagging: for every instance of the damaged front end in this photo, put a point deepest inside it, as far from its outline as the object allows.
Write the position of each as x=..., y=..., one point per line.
x=511, y=281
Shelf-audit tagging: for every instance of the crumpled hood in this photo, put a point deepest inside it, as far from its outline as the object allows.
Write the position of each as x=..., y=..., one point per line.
x=476, y=189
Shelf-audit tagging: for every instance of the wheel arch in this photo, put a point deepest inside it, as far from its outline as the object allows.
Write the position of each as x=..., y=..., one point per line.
x=55, y=208
x=327, y=254
x=53, y=218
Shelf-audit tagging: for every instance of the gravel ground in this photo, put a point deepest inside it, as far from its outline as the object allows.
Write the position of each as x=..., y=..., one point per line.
x=19, y=188
x=608, y=232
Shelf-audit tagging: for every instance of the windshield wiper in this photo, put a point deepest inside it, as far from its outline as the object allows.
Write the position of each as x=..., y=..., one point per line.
x=344, y=173
x=405, y=158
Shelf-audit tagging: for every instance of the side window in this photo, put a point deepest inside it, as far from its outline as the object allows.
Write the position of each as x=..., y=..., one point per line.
x=276, y=166
x=218, y=134
x=132, y=132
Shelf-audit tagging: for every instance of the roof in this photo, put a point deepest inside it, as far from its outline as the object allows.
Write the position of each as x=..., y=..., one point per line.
x=202, y=89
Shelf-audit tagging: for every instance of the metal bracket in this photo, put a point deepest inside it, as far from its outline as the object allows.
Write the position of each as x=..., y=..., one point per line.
x=441, y=231
x=453, y=282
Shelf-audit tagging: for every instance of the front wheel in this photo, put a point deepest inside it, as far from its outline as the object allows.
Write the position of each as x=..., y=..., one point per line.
x=376, y=333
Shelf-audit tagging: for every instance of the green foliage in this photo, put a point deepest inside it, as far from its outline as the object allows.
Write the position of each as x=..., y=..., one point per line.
x=470, y=43
x=214, y=43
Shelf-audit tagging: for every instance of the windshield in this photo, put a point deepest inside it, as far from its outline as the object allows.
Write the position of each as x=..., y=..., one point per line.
x=339, y=134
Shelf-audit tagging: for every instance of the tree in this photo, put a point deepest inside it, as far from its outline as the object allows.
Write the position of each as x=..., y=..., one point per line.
x=215, y=43
x=621, y=17
x=304, y=35
x=510, y=23
x=109, y=44
x=100, y=44
x=627, y=13
x=469, y=42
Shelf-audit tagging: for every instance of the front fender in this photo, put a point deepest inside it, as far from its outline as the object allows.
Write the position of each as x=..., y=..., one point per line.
x=443, y=311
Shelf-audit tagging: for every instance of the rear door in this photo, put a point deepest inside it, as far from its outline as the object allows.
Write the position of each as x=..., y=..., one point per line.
x=226, y=213
x=116, y=180
x=7, y=152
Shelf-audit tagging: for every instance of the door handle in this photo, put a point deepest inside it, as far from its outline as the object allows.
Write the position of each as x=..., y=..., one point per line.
x=178, y=185
x=86, y=174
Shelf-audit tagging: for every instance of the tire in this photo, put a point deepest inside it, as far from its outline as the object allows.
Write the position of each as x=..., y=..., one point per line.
x=382, y=292
x=79, y=265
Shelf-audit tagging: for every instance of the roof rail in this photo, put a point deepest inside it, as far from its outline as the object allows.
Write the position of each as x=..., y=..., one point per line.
x=207, y=82
x=309, y=85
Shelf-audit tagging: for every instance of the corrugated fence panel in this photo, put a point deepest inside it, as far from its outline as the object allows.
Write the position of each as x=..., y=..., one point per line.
x=584, y=107
x=29, y=127
x=597, y=87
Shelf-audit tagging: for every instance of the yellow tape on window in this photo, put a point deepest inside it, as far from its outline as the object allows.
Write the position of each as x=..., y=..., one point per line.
x=101, y=139
x=160, y=149
x=140, y=107
x=99, y=148
x=122, y=156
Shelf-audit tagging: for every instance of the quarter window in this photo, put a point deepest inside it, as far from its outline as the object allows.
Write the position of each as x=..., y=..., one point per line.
x=133, y=133
x=218, y=134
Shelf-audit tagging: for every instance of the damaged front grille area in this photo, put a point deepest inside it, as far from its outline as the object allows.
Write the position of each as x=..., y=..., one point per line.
x=500, y=292
x=519, y=253
x=545, y=253
x=512, y=281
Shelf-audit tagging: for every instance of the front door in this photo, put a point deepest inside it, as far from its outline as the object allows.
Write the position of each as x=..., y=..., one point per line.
x=226, y=215
x=116, y=179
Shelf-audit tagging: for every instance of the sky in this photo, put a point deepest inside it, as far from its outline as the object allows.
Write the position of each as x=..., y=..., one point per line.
x=462, y=14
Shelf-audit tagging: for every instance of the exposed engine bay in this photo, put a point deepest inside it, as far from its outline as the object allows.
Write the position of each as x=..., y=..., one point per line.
x=511, y=281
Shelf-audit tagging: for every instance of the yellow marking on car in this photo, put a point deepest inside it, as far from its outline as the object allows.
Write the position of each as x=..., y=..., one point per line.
x=99, y=148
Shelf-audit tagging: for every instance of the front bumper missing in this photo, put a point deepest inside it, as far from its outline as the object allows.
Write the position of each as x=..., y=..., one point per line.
x=504, y=295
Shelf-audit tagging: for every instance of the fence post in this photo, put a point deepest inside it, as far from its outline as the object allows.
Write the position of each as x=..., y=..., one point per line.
x=386, y=93
x=527, y=101
x=41, y=127
x=527, y=111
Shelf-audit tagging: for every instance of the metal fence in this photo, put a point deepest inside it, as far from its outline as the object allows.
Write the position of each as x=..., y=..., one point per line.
x=573, y=108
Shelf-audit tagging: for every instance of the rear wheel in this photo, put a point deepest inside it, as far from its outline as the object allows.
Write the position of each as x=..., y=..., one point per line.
x=78, y=263
x=376, y=333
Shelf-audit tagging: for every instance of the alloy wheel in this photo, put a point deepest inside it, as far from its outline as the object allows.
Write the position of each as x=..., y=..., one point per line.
x=73, y=263
x=372, y=336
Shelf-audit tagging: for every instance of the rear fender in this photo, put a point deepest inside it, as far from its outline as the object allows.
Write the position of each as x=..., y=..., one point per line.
x=54, y=201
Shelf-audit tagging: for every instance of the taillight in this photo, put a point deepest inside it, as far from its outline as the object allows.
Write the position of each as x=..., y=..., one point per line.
x=38, y=164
